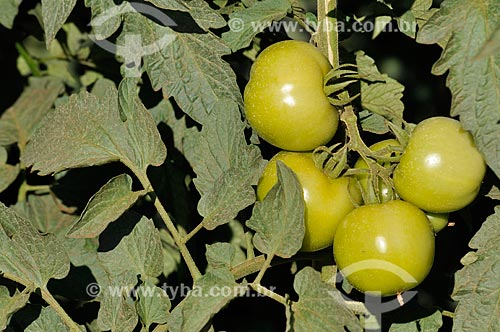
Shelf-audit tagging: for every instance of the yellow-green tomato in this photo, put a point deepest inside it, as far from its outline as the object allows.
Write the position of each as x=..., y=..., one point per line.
x=384, y=191
x=327, y=201
x=284, y=99
x=441, y=169
x=438, y=220
x=384, y=249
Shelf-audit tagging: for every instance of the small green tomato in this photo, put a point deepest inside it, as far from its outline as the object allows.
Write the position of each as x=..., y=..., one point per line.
x=284, y=98
x=384, y=249
x=327, y=201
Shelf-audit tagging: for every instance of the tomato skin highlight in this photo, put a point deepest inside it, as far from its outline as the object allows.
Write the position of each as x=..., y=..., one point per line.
x=284, y=99
x=383, y=249
x=327, y=201
x=441, y=170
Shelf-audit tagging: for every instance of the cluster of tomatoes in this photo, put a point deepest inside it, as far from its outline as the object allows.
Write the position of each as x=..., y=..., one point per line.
x=381, y=248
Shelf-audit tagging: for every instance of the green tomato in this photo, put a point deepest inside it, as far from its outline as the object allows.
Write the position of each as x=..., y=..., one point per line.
x=284, y=99
x=384, y=249
x=438, y=220
x=327, y=201
x=441, y=169
x=385, y=192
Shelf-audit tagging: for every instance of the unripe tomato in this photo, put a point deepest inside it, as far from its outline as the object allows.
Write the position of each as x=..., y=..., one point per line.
x=441, y=169
x=284, y=99
x=386, y=248
x=385, y=192
x=327, y=201
x=438, y=220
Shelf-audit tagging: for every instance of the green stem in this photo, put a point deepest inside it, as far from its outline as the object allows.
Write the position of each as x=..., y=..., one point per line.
x=47, y=296
x=263, y=269
x=327, y=38
x=188, y=259
x=25, y=188
x=356, y=142
x=253, y=265
x=19, y=280
x=267, y=292
x=250, y=251
x=448, y=314
x=32, y=63
x=188, y=237
x=248, y=267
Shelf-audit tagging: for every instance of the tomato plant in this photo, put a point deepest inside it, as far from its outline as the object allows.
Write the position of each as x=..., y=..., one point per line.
x=441, y=170
x=284, y=99
x=327, y=201
x=382, y=189
x=136, y=192
x=384, y=248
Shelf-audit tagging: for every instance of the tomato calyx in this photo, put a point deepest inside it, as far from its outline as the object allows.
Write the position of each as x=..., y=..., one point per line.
x=380, y=162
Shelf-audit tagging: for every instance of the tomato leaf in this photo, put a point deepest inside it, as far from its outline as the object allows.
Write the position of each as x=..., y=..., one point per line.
x=9, y=12
x=320, y=306
x=491, y=47
x=199, y=10
x=222, y=254
x=246, y=23
x=48, y=320
x=27, y=254
x=139, y=252
x=110, y=202
x=153, y=305
x=55, y=13
x=225, y=165
x=106, y=17
x=417, y=15
x=20, y=120
x=211, y=293
x=164, y=112
x=44, y=214
x=430, y=323
x=110, y=127
x=380, y=25
x=171, y=255
x=372, y=122
x=476, y=285
x=117, y=310
x=8, y=173
x=462, y=28
x=11, y=304
x=278, y=220
x=494, y=193
x=380, y=94
x=186, y=66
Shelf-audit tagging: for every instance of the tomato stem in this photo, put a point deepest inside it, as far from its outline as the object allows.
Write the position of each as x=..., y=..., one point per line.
x=263, y=269
x=47, y=296
x=249, y=244
x=267, y=292
x=179, y=241
x=248, y=267
x=188, y=237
